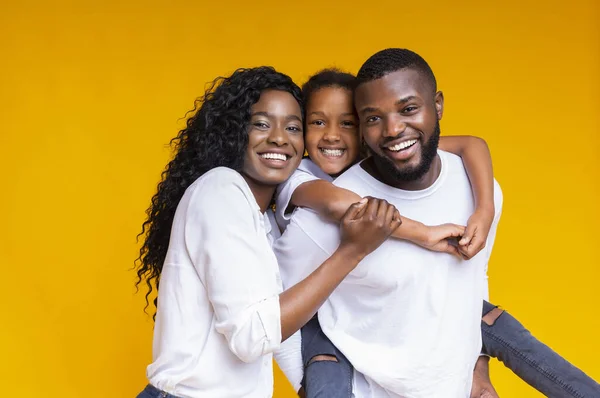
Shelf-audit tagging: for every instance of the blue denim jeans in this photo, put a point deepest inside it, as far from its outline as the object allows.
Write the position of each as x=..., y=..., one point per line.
x=507, y=340
x=533, y=361
x=152, y=392
x=324, y=379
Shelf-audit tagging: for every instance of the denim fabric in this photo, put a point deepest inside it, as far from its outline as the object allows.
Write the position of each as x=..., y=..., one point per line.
x=533, y=361
x=152, y=392
x=507, y=340
x=324, y=379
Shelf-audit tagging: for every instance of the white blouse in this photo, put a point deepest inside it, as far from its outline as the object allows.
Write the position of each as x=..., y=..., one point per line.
x=218, y=319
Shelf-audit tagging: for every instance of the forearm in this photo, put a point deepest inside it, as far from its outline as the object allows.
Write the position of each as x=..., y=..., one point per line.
x=300, y=302
x=478, y=163
x=326, y=199
x=332, y=202
x=477, y=160
x=482, y=367
x=411, y=230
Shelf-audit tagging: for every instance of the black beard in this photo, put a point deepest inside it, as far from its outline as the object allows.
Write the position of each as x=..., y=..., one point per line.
x=408, y=174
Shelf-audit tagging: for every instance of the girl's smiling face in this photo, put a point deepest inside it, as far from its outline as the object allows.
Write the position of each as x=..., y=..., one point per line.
x=331, y=138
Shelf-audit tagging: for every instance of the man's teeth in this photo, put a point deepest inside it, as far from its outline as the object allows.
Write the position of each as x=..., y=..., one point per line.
x=274, y=156
x=332, y=152
x=402, y=145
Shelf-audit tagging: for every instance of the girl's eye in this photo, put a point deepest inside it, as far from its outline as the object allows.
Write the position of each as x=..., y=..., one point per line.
x=318, y=123
x=372, y=119
x=348, y=123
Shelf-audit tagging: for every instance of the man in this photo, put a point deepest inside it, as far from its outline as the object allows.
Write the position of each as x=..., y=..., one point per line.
x=406, y=318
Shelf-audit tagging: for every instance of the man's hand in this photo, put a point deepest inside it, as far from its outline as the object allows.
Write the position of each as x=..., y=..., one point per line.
x=482, y=386
x=476, y=233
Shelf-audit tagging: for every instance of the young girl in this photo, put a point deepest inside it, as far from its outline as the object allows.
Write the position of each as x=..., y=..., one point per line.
x=332, y=142
x=221, y=311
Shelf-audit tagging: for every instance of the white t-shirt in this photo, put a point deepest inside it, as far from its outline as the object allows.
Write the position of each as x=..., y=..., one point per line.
x=218, y=318
x=307, y=171
x=407, y=318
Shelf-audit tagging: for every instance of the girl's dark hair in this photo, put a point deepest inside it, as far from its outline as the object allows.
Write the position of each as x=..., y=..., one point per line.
x=215, y=135
x=331, y=77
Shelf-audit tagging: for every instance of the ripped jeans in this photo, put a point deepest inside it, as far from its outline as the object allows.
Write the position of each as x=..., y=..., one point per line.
x=506, y=339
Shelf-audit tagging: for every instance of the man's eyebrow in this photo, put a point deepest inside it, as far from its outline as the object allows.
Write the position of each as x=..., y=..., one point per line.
x=368, y=109
x=405, y=100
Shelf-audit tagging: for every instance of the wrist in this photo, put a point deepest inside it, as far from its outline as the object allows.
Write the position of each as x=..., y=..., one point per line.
x=413, y=231
x=486, y=206
x=424, y=235
x=351, y=253
x=482, y=366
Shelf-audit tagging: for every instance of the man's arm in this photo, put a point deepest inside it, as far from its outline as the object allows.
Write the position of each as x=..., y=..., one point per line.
x=482, y=385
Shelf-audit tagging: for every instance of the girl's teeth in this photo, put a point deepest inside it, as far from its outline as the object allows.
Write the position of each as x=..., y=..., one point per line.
x=275, y=156
x=402, y=145
x=332, y=152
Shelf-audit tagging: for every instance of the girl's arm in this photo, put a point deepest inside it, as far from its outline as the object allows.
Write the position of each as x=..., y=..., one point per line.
x=332, y=202
x=477, y=159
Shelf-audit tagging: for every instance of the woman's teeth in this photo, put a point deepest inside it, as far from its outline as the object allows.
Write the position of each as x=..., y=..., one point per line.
x=332, y=152
x=402, y=145
x=275, y=156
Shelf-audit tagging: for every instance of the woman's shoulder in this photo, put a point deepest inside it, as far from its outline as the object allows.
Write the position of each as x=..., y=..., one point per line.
x=219, y=177
x=221, y=183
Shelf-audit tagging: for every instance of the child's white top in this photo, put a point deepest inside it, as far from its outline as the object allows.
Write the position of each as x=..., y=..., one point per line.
x=307, y=171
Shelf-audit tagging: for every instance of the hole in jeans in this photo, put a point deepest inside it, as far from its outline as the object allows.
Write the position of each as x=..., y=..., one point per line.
x=323, y=358
x=491, y=317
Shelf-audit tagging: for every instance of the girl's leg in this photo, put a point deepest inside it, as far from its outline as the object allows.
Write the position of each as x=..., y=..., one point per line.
x=327, y=372
x=538, y=365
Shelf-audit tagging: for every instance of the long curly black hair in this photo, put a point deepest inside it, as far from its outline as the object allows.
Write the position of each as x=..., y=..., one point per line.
x=215, y=135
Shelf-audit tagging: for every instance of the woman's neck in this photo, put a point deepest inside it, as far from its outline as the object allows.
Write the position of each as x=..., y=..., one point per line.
x=262, y=193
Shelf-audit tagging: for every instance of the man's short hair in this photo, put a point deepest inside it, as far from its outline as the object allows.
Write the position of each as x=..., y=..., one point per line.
x=391, y=60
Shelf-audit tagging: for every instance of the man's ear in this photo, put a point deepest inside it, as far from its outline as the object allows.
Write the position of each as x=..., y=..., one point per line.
x=439, y=104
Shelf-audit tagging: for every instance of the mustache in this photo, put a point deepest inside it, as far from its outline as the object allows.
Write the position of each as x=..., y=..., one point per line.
x=401, y=135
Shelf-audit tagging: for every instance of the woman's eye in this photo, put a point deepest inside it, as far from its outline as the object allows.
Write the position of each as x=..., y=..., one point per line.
x=294, y=128
x=372, y=119
x=260, y=125
x=409, y=109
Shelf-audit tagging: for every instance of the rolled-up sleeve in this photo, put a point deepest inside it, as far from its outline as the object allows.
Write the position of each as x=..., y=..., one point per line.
x=229, y=249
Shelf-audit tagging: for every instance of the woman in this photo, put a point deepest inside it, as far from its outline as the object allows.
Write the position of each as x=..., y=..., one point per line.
x=221, y=311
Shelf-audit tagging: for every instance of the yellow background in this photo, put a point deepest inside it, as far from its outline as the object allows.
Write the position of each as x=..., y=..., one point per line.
x=91, y=93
